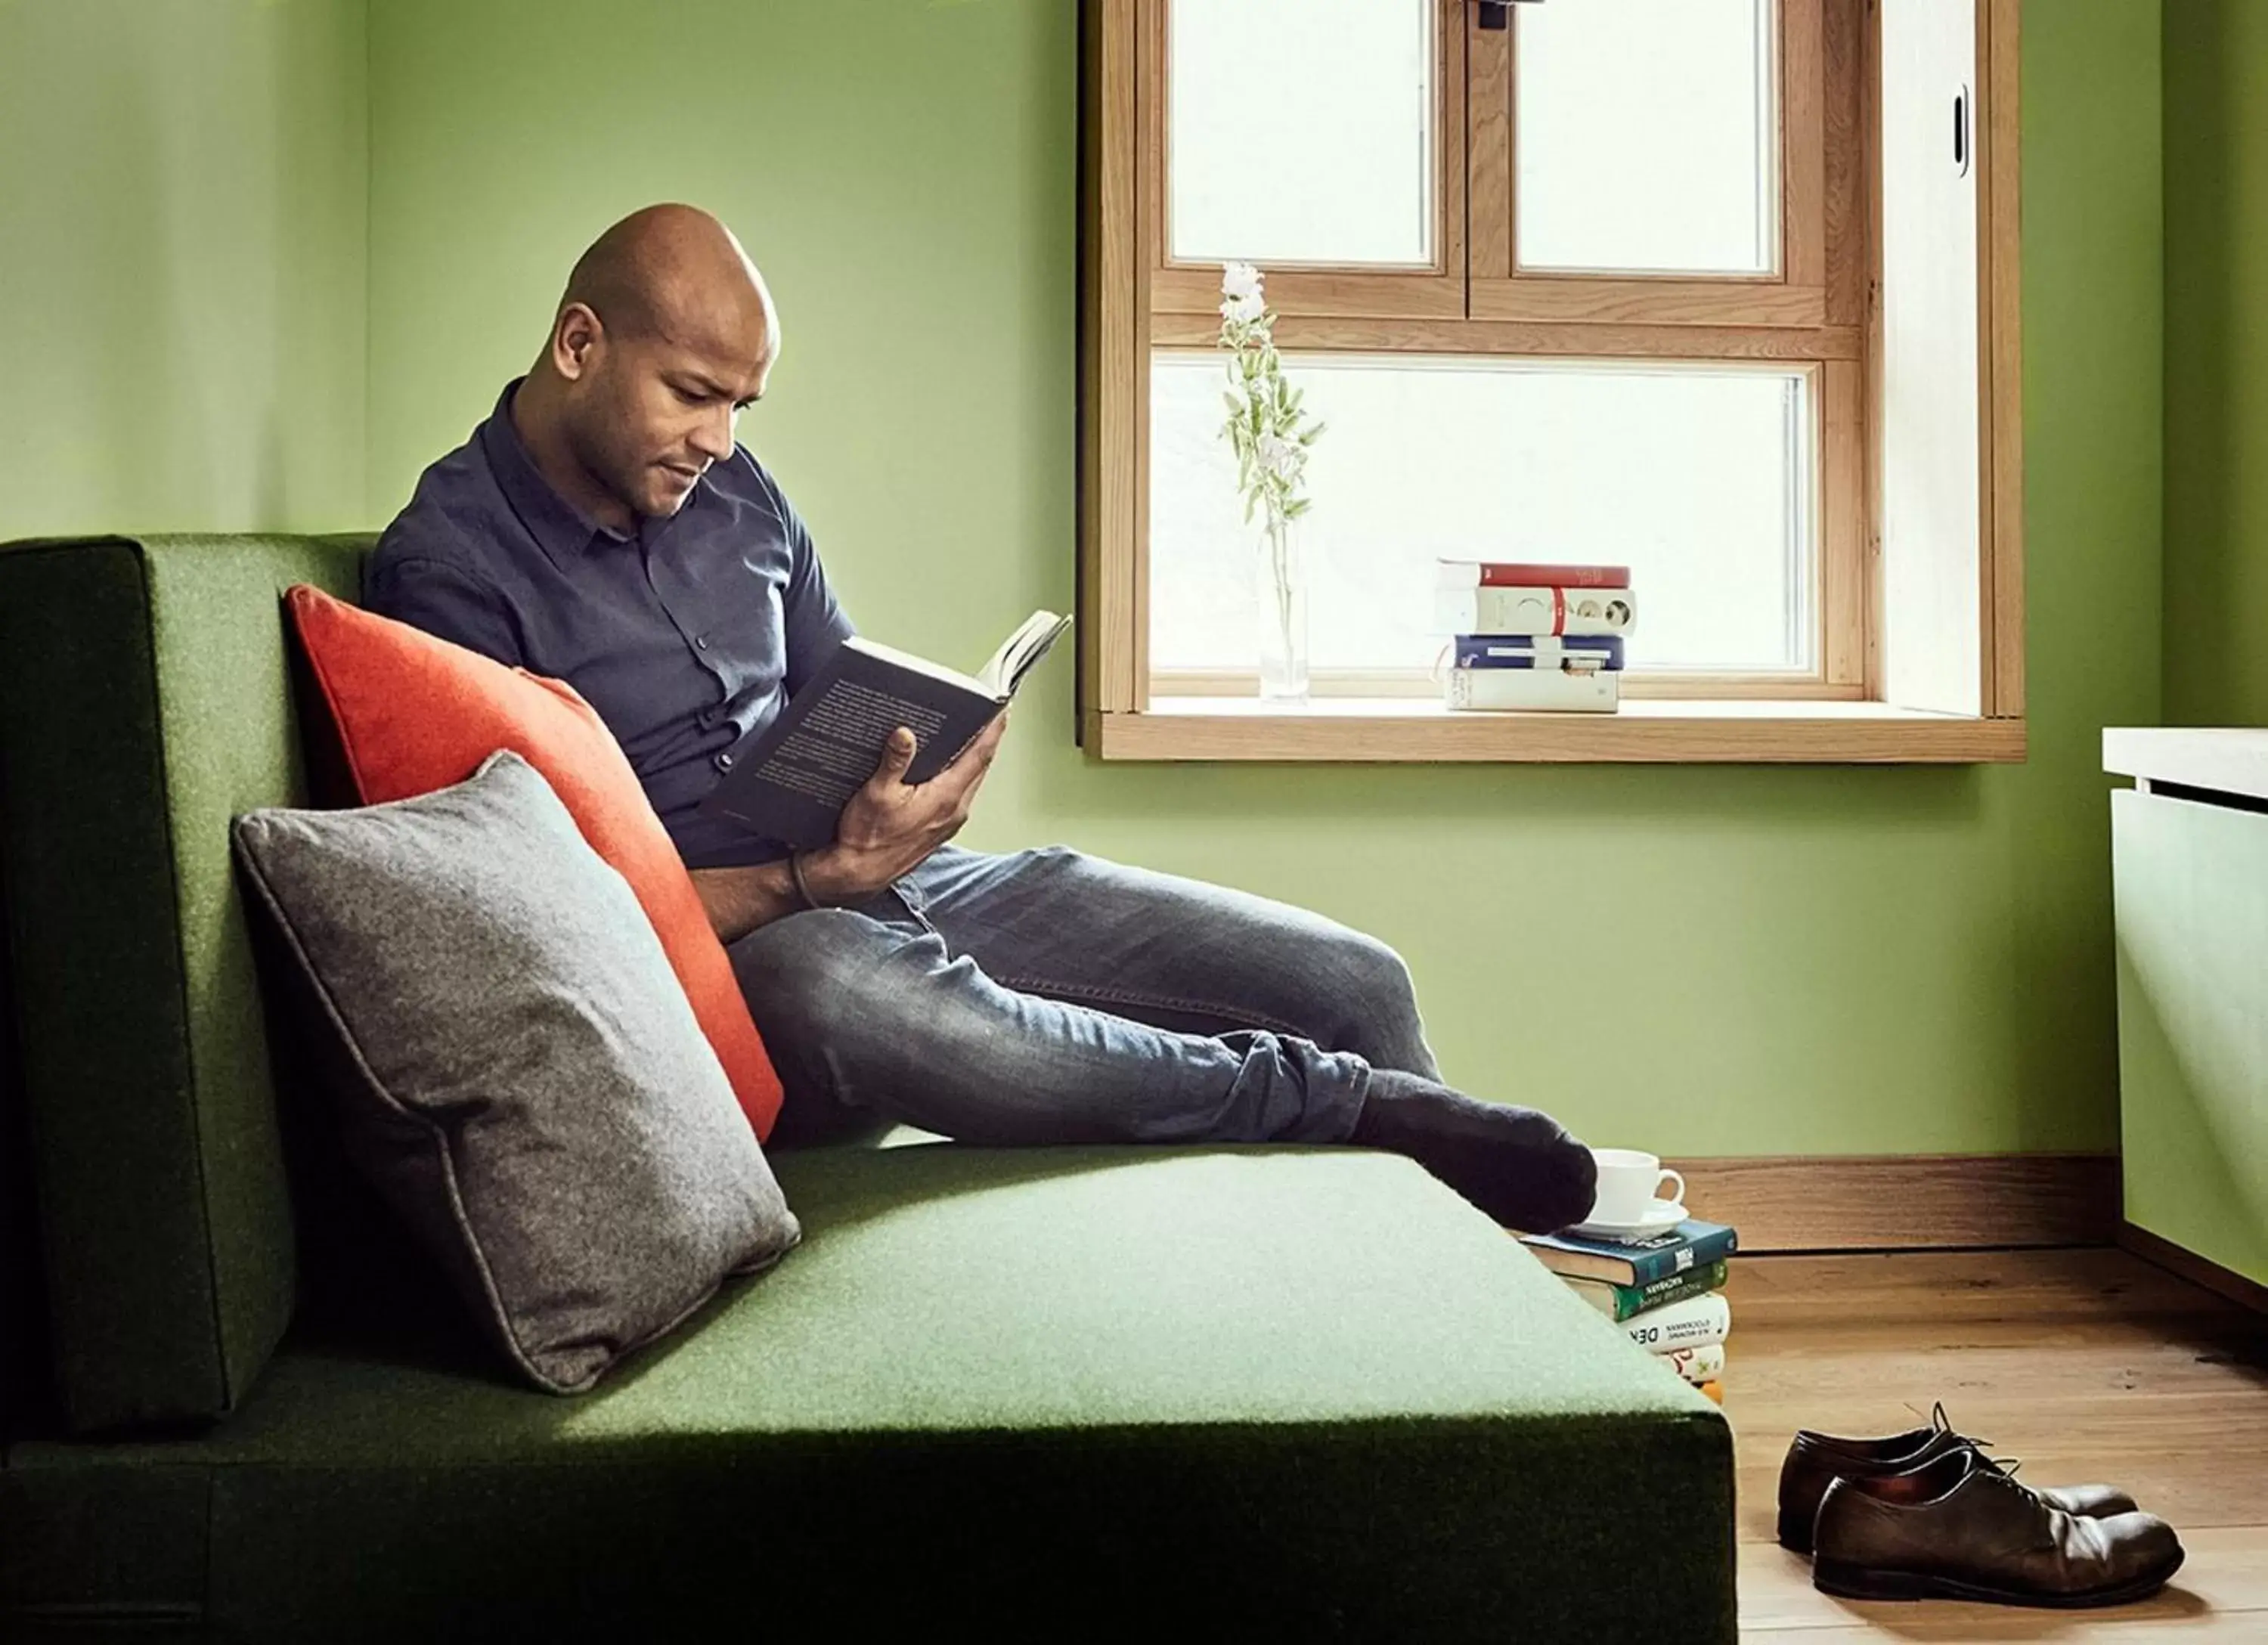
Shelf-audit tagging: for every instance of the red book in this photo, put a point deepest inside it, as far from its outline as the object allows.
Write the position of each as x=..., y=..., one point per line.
x=1516, y=574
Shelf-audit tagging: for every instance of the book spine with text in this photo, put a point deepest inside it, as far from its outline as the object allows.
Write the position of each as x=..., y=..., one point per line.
x=1540, y=651
x=1540, y=609
x=1593, y=692
x=1702, y=1245
x=1619, y=1302
x=1687, y=1324
x=1692, y=1245
x=1701, y=1363
x=1529, y=574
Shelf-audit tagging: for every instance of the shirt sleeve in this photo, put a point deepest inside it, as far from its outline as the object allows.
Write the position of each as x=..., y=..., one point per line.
x=814, y=623
x=446, y=603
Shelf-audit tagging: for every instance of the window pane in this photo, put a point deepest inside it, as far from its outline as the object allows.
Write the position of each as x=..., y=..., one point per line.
x=1301, y=130
x=1647, y=136
x=1697, y=477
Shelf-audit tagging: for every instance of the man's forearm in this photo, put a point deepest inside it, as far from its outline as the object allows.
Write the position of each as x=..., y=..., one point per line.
x=742, y=900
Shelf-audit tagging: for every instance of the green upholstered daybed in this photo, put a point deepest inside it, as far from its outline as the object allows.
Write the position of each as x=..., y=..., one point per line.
x=1055, y=1393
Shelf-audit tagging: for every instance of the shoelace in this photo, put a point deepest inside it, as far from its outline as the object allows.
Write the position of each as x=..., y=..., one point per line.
x=2006, y=1468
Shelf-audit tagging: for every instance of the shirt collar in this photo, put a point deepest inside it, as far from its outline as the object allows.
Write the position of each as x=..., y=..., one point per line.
x=559, y=527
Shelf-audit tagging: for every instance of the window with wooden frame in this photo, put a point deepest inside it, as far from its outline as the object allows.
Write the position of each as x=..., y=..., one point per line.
x=1723, y=289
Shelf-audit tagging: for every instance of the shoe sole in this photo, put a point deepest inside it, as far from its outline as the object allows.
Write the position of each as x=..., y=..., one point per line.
x=1857, y=1582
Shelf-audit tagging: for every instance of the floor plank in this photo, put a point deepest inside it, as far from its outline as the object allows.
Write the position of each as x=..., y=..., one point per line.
x=2086, y=1364
x=2207, y=1628
x=2225, y=1574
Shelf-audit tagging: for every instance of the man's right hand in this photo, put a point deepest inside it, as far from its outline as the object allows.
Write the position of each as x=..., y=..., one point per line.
x=891, y=826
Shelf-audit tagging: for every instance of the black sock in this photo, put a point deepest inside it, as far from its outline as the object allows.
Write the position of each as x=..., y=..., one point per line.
x=1516, y=1164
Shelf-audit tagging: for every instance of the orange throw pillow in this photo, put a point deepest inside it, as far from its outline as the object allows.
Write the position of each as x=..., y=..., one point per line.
x=415, y=713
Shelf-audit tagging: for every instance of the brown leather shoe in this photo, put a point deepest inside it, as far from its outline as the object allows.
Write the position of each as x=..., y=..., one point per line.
x=1960, y=1528
x=1816, y=1461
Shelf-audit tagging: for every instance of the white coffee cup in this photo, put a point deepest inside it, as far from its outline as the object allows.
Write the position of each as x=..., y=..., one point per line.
x=1630, y=1185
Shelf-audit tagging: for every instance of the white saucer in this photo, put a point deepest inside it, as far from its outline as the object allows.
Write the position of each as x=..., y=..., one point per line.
x=1664, y=1215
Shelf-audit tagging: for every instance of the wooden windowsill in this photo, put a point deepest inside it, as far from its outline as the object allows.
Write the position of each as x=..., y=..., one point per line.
x=1654, y=730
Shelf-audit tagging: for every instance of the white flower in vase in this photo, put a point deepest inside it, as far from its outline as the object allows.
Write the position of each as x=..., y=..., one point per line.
x=1270, y=435
x=1282, y=458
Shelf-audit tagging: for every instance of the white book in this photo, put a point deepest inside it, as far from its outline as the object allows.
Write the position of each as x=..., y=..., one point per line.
x=1687, y=1324
x=1699, y=1363
x=1534, y=610
x=1596, y=691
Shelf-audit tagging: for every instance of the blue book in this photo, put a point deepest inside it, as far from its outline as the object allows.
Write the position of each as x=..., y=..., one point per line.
x=1691, y=1245
x=1539, y=651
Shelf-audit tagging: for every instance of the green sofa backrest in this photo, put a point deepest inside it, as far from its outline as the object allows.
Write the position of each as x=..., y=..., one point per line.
x=144, y=700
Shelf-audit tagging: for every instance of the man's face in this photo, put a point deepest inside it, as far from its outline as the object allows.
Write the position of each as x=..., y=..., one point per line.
x=649, y=413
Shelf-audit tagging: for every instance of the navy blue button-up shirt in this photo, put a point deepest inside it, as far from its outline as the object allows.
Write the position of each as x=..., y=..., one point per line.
x=688, y=636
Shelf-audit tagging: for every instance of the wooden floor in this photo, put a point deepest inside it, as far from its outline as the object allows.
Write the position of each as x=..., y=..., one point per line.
x=2089, y=1365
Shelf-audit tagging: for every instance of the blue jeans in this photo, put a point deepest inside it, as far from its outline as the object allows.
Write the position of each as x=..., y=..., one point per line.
x=1047, y=996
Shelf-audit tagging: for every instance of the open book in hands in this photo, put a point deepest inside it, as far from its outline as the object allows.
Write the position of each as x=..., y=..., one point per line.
x=791, y=781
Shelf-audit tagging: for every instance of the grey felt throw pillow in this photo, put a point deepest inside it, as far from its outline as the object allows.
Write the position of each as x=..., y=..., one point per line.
x=528, y=1086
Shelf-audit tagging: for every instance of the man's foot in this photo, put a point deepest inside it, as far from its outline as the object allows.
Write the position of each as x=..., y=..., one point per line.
x=1519, y=1166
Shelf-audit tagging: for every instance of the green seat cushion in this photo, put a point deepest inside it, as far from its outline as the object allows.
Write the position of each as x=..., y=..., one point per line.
x=1298, y=1393
x=144, y=700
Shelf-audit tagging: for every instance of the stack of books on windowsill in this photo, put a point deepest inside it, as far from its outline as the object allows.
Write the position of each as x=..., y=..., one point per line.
x=1665, y=1290
x=1535, y=637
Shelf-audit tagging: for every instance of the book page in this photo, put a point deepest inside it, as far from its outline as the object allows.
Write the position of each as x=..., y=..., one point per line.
x=1034, y=638
x=830, y=757
x=912, y=664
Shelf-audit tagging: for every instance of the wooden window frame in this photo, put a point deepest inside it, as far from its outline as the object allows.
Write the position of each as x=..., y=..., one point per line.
x=1434, y=292
x=1810, y=79
x=1821, y=308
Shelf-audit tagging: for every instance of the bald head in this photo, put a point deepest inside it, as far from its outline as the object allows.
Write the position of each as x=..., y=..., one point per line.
x=672, y=270
x=664, y=332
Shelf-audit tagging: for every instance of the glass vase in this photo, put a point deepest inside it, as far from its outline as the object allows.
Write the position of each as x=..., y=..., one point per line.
x=1280, y=591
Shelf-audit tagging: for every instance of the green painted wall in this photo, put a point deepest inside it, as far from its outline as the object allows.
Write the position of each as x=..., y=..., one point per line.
x=183, y=203
x=2216, y=622
x=1827, y=960
x=1780, y=961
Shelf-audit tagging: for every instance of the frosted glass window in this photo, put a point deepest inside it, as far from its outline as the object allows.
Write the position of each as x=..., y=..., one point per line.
x=1301, y=131
x=1646, y=135
x=1700, y=478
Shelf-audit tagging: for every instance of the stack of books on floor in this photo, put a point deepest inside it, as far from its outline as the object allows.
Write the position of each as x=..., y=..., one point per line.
x=1529, y=636
x=1667, y=1290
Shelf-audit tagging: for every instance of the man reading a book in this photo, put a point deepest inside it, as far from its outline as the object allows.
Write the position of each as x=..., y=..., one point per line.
x=603, y=527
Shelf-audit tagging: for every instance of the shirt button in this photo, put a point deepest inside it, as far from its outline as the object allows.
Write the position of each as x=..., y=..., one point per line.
x=701, y=644
x=724, y=762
